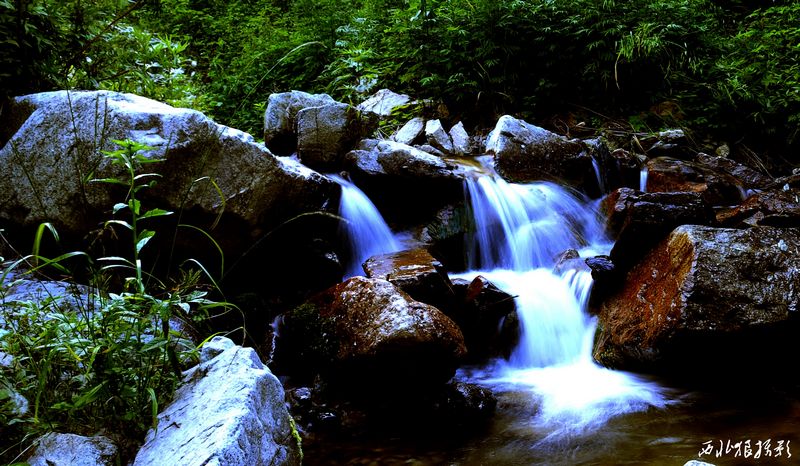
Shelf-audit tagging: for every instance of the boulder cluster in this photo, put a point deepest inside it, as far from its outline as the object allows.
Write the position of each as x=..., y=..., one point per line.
x=705, y=271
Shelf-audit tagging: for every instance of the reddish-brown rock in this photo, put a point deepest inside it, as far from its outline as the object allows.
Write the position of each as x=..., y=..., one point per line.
x=416, y=272
x=705, y=296
x=666, y=174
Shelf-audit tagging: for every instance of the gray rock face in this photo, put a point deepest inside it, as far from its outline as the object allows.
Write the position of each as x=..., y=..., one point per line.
x=280, y=118
x=524, y=152
x=705, y=296
x=325, y=133
x=438, y=137
x=61, y=295
x=73, y=450
x=396, y=159
x=460, y=138
x=50, y=158
x=230, y=411
x=410, y=131
x=383, y=102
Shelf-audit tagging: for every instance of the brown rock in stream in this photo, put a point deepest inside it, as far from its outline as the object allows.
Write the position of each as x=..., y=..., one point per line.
x=706, y=299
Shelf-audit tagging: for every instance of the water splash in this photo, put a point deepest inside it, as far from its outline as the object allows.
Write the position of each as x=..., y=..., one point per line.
x=600, y=185
x=365, y=229
x=520, y=231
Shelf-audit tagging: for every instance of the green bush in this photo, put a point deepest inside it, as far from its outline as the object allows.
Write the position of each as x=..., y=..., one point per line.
x=109, y=363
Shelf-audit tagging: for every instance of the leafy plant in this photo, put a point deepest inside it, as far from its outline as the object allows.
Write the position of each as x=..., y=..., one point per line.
x=95, y=358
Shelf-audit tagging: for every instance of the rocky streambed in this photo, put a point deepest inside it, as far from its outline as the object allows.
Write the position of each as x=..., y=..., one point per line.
x=521, y=267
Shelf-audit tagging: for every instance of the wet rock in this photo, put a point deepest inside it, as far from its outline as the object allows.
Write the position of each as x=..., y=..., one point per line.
x=669, y=143
x=747, y=177
x=706, y=299
x=481, y=315
x=460, y=138
x=396, y=176
x=280, y=118
x=697, y=463
x=569, y=259
x=607, y=279
x=524, y=152
x=383, y=103
x=672, y=175
x=56, y=449
x=438, y=137
x=410, y=132
x=465, y=404
x=50, y=157
x=326, y=133
x=770, y=208
x=640, y=220
x=386, y=339
x=417, y=273
x=229, y=410
x=446, y=234
x=430, y=149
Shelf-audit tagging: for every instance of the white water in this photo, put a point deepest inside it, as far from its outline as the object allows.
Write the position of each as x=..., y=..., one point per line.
x=643, y=180
x=520, y=231
x=365, y=229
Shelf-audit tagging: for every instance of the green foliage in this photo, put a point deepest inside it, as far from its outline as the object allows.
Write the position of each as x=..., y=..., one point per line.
x=760, y=71
x=109, y=360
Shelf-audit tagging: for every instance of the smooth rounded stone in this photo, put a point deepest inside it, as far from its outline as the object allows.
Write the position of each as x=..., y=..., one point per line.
x=368, y=336
x=706, y=299
x=280, y=118
x=697, y=463
x=438, y=137
x=229, y=410
x=383, y=103
x=410, y=132
x=56, y=449
x=524, y=152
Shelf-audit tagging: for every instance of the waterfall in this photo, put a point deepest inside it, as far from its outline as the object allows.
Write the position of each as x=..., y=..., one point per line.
x=365, y=229
x=520, y=230
x=643, y=179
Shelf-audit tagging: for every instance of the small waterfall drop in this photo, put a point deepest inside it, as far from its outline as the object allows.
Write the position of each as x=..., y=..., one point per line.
x=366, y=230
x=643, y=179
x=520, y=230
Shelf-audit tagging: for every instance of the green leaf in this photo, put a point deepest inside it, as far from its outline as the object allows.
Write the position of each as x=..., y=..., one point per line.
x=144, y=237
x=119, y=206
x=135, y=205
x=155, y=213
x=118, y=222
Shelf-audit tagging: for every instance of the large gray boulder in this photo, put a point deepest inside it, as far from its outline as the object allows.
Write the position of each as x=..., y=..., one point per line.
x=55, y=149
x=55, y=449
x=383, y=103
x=229, y=411
x=394, y=159
x=325, y=133
x=524, y=152
x=706, y=299
x=280, y=118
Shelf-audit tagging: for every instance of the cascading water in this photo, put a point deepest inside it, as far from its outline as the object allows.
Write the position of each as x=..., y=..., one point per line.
x=367, y=232
x=520, y=230
x=643, y=179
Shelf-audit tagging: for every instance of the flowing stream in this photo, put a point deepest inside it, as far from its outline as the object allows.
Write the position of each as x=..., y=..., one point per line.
x=556, y=406
x=520, y=231
x=364, y=227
